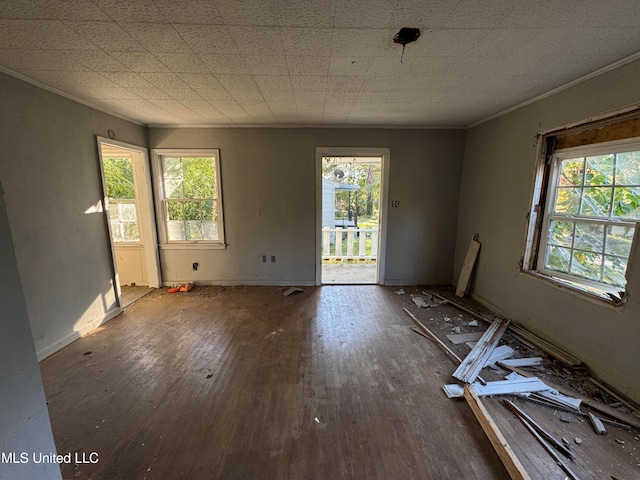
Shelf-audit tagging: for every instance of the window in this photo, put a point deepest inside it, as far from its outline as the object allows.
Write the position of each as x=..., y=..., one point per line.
x=190, y=195
x=121, y=194
x=592, y=209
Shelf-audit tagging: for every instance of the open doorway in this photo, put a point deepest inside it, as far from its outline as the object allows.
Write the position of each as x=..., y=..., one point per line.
x=129, y=208
x=351, y=215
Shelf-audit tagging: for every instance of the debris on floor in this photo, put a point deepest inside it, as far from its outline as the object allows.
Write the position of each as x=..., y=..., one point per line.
x=529, y=370
x=292, y=290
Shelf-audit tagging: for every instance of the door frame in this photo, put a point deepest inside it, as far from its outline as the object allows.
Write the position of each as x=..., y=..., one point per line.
x=144, y=200
x=385, y=154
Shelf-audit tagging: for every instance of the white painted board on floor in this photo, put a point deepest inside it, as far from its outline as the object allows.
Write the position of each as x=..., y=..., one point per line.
x=467, y=267
x=458, y=338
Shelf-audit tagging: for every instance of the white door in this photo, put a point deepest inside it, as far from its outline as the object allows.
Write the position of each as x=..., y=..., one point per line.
x=129, y=210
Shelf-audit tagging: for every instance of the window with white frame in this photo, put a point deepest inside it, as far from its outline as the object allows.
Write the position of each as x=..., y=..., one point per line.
x=190, y=196
x=592, y=210
x=121, y=196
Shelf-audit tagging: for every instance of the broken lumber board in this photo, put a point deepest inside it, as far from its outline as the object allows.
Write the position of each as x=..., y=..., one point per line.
x=597, y=424
x=546, y=435
x=589, y=402
x=509, y=459
x=546, y=446
x=420, y=302
x=507, y=387
x=474, y=362
x=458, y=338
x=467, y=266
x=561, y=399
x=522, y=362
x=524, y=336
x=432, y=336
x=499, y=353
x=545, y=403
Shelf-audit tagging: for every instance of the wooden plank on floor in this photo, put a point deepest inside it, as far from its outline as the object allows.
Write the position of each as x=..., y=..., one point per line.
x=502, y=448
x=475, y=361
x=458, y=338
x=467, y=266
x=590, y=402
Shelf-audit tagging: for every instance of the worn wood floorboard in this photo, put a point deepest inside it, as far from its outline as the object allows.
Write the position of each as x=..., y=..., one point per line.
x=244, y=383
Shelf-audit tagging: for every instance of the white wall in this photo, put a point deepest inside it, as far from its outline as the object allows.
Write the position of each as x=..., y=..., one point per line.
x=50, y=171
x=268, y=184
x=24, y=420
x=496, y=190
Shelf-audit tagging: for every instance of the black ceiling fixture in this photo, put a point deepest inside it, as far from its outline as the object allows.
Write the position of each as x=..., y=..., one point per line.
x=406, y=35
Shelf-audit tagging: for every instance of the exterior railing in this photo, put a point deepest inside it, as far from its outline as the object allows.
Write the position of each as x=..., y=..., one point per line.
x=349, y=243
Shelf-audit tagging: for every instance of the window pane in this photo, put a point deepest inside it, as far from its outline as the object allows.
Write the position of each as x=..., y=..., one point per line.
x=199, y=177
x=589, y=237
x=627, y=202
x=117, y=231
x=599, y=170
x=128, y=212
x=193, y=230
x=596, y=201
x=175, y=211
x=114, y=211
x=207, y=210
x=118, y=178
x=571, y=171
x=191, y=210
x=586, y=265
x=210, y=230
x=558, y=259
x=619, y=240
x=615, y=269
x=561, y=233
x=568, y=200
x=628, y=168
x=131, y=233
x=172, y=167
x=173, y=188
x=175, y=230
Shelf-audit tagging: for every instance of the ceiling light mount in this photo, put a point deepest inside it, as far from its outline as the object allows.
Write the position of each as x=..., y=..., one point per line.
x=406, y=35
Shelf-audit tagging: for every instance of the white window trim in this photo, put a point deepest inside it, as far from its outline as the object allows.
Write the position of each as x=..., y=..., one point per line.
x=161, y=210
x=563, y=154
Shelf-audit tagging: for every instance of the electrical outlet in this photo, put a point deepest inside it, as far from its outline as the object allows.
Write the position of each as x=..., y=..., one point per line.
x=264, y=259
x=395, y=203
x=273, y=259
x=195, y=266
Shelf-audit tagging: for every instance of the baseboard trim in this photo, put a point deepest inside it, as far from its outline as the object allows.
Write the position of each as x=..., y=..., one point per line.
x=50, y=349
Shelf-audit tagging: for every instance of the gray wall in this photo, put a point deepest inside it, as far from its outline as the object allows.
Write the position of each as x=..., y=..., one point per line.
x=24, y=420
x=50, y=171
x=269, y=194
x=495, y=195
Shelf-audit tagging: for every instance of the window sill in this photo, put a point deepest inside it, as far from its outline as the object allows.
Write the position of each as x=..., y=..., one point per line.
x=599, y=298
x=193, y=246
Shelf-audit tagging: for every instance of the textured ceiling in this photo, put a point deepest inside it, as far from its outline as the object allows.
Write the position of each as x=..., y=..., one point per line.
x=311, y=62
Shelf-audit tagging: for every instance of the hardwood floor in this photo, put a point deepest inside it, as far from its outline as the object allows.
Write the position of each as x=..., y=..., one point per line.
x=244, y=383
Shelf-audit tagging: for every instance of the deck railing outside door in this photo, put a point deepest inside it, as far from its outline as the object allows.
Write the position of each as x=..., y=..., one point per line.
x=349, y=243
